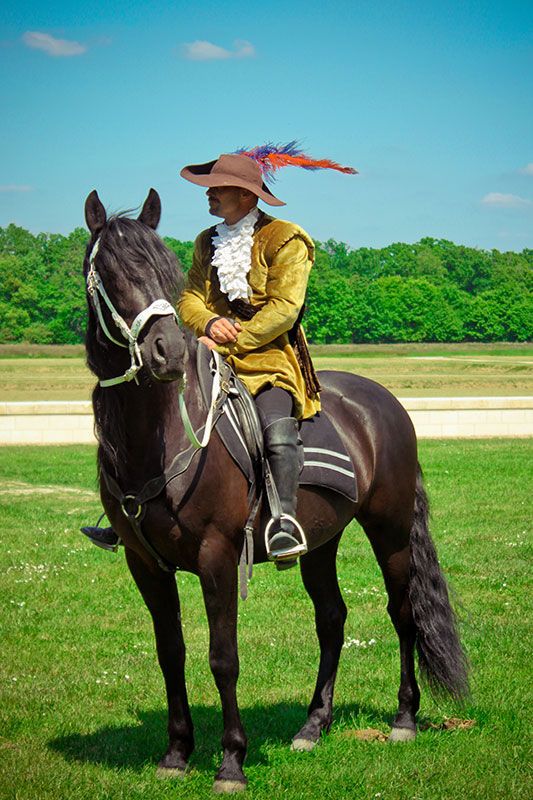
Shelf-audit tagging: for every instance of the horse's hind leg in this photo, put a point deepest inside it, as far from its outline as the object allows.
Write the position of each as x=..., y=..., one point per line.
x=160, y=594
x=390, y=543
x=320, y=579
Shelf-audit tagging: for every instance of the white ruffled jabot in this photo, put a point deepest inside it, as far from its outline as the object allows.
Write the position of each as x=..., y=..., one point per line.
x=233, y=255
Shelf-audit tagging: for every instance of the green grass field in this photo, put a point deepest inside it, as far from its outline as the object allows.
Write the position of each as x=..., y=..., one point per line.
x=33, y=372
x=82, y=705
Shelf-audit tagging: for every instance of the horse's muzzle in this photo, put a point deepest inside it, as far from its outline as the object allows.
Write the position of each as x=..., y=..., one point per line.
x=163, y=349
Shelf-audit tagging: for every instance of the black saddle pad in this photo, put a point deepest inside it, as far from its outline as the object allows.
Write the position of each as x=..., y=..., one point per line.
x=326, y=460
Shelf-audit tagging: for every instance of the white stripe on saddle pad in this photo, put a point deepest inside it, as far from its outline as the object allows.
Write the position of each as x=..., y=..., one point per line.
x=324, y=465
x=325, y=452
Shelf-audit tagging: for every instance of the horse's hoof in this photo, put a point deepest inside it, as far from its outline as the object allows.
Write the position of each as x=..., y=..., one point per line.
x=171, y=772
x=303, y=745
x=402, y=735
x=228, y=787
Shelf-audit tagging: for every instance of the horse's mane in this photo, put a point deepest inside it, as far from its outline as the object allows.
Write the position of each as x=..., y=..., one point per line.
x=126, y=243
x=125, y=246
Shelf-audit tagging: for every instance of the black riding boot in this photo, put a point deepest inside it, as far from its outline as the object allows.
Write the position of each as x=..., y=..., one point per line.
x=286, y=540
x=105, y=538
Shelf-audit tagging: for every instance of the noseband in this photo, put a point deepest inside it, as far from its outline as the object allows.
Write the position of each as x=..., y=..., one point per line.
x=159, y=307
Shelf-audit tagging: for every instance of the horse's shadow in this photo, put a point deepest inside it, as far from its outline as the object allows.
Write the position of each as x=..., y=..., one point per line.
x=133, y=746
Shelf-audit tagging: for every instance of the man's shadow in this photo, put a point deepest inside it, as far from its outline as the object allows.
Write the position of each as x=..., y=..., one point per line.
x=132, y=746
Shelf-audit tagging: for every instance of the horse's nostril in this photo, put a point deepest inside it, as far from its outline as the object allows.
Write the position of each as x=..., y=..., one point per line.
x=159, y=350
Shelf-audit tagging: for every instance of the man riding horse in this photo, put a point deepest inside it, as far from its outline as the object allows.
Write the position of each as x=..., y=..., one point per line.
x=244, y=294
x=244, y=298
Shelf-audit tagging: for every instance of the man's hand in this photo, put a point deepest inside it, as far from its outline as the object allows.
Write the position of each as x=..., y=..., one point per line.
x=208, y=342
x=223, y=330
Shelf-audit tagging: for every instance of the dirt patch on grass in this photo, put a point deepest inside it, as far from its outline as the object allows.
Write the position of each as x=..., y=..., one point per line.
x=21, y=488
x=42, y=350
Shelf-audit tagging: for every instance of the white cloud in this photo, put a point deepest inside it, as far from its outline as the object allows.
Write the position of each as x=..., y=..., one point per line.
x=54, y=47
x=506, y=235
x=505, y=200
x=244, y=49
x=205, y=51
x=16, y=188
x=527, y=170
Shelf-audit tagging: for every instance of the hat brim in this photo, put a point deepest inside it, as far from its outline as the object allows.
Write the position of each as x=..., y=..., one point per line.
x=201, y=175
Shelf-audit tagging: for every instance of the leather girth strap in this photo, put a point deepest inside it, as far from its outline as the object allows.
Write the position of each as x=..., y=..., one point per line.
x=134, y=506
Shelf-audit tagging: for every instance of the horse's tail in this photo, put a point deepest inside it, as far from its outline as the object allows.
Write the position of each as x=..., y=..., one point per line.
x=442, y=660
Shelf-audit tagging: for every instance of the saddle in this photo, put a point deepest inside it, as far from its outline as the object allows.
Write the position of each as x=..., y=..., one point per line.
x=326, y=461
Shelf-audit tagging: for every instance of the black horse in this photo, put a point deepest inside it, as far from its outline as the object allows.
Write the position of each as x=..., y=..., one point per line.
x=200, y=528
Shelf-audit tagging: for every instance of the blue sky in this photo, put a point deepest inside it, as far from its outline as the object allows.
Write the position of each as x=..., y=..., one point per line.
x=431, y=101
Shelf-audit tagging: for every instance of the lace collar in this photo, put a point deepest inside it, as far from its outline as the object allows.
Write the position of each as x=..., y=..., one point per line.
x=233, y=255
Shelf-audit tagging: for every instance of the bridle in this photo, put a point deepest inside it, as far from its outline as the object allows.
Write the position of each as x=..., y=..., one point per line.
x=159, y=307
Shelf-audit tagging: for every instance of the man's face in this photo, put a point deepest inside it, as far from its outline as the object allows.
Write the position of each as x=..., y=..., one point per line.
x=227, y=202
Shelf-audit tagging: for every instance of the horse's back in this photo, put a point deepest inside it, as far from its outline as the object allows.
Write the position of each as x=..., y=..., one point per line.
x=376, y=429
x=365, y=402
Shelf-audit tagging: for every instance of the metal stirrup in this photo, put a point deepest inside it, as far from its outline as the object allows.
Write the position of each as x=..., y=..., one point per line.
x=299, y=550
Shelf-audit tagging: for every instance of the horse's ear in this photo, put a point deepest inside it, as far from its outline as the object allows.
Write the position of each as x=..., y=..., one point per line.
x=151, y=211
x=95, y=215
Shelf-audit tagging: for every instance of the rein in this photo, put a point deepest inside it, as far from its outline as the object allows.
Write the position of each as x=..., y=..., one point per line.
x=214, y=395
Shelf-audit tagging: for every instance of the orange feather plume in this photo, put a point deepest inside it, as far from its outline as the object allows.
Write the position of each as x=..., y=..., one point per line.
x=271, y=157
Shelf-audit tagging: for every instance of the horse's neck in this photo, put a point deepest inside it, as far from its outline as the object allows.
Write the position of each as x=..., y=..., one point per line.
x=134, y=435
x=148, y=431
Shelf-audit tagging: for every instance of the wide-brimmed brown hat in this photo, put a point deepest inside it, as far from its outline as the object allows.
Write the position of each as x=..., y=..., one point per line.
x=231, y=170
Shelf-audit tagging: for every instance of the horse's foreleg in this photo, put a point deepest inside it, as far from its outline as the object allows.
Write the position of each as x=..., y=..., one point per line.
x=161, y=597
x=320, y=580
x=390, y=544
x=218, y=576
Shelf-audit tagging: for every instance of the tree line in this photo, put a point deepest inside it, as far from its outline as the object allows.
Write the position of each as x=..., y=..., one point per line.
x=430, y=291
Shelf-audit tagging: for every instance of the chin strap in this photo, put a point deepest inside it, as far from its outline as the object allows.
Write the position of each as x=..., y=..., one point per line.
x=159, y=307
